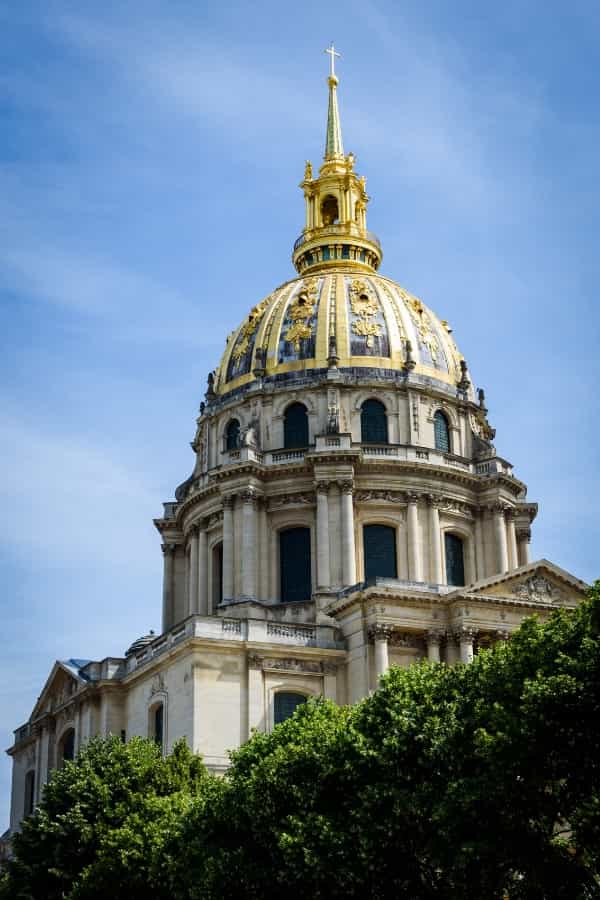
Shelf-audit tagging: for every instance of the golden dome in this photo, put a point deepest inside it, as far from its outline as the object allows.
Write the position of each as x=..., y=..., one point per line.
x=339, y=312
x=339, y=317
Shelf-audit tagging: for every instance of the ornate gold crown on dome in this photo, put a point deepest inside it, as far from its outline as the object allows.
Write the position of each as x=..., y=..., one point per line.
x=339, y=313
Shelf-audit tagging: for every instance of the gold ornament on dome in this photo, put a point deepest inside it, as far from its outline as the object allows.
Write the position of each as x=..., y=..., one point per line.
x=365, y=308
x=301, y=311
x=422, y=322
x=249, y=328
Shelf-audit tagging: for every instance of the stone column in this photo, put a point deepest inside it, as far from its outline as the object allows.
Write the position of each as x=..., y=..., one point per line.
x=348, y=548
x=523, y=540
x=479, y=544
x=465, y=638
x=228, y=584
x=249, y=548
x=502, y=634
x=433, y=639
x=323, y=563
x=380, y=635
x=263, y=590
x=202, y=601
x=168, y=570
x=513, y=554
x=452, y=654
x=501, y=541
x=415, y=567
x=193, y=579
x=435, y=540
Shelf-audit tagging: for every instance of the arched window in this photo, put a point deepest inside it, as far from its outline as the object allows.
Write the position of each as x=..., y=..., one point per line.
x=66, y=749
x=232, y=435
x=442, y=432
x=379, y=542
x=286, y=703
x=455, y=564
x=329, y=210
x=29, y=793
x=294, y=565
x=156, y=724
x=373, y=423
x=295, y=426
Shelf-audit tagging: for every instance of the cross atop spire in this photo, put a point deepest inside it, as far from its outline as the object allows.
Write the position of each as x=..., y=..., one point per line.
x=334, y=146
x=332, y=55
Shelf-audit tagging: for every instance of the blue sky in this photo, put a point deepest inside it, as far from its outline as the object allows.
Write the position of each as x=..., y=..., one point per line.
x=149, y=164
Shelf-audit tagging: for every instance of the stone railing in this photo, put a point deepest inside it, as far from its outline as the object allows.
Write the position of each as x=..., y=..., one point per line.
x=218, y=628
x=371, y=452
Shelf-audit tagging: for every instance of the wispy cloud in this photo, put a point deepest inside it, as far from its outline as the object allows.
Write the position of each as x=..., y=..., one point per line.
x=69, y=500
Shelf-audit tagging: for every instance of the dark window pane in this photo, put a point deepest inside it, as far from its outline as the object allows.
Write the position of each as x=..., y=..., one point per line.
x=294, y=556
x=158, y=724
x=68, y=746
x=379, y=543
x=295, y=426
x=29, y=793
x=232, y=435
x=285, y=705
x=373, y=423
x=442, y=433
x=455, y=567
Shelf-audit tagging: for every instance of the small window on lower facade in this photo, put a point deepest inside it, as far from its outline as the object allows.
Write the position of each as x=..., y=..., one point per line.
x=159, y=723
x=29, y=793
x=286, y=703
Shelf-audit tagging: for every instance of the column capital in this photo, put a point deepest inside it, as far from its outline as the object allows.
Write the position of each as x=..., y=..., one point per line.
x=249, y=496
x=193, y=530
x=413, y=496
x=346, y=486
x=434, y=500
x=228, y=500
x=510, y=513
x=380, y=632
x=168, y=549
x=465, y=633
x=502, y=634
x=322, y=487
x=434, y=636
x=498, y=508
x=524, y=534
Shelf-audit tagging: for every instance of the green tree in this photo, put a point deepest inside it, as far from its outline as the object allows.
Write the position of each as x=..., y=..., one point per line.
x=101, y=827
x=465, y=782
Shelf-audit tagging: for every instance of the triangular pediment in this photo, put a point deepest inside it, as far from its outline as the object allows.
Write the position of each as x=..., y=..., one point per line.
x=64, y=680
x=536, y=582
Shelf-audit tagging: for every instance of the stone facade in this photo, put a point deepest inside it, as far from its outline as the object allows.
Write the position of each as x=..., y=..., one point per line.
x=341, y=403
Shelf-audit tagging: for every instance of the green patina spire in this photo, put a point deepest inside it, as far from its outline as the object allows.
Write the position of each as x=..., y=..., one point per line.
x=334, y=146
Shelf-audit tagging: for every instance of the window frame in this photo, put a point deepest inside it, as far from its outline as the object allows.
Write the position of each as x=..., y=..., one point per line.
x=363, y=416
x=297, y=404
x=441, y=416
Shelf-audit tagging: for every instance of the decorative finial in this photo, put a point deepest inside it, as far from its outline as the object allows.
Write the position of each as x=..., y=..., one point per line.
x=332, y=55
x=334, y=147
x=409, y=362
x=463, y=384
x=210, y=390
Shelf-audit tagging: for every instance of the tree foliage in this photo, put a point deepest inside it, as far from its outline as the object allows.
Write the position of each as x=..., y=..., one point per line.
x=470, y=782
x=102, y=826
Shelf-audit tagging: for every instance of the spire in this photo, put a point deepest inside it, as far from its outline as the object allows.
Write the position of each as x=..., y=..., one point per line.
x=336, y=205
x=333, y=139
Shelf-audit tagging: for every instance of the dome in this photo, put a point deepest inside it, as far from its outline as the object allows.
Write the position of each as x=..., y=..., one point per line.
x=140, y=643
x=340, y=316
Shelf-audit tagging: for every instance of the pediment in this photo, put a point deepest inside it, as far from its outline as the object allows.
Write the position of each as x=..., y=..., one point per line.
x=63, y=681
x=537, y=582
